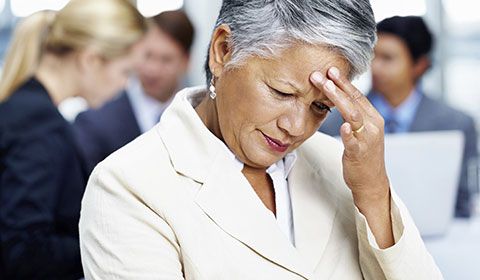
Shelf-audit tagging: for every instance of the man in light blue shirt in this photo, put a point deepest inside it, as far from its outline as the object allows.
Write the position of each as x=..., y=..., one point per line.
x=99, y=132
x=401, y=59
x=399, y=119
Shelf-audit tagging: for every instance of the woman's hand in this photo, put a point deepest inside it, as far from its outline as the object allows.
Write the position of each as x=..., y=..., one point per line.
x=363, y=159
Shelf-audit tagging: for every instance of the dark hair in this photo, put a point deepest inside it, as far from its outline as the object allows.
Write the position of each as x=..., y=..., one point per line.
x=412, y=30
x=178, y=26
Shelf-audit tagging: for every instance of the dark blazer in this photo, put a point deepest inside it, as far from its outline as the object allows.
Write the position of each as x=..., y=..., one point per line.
x=433, y=115
x=41, y=187
x=100, y=132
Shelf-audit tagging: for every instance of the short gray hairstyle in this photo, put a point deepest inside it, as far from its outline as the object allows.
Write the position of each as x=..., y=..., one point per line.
x=263, y=28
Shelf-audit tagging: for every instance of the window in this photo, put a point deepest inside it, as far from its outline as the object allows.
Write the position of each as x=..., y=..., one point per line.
x=150, y=8
x=2, y=5
x=462, y=59
x=462, y=16
x=23, y=8
x=389, y=8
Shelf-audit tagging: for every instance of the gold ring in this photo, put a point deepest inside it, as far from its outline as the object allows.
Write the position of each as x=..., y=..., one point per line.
x=360, y=129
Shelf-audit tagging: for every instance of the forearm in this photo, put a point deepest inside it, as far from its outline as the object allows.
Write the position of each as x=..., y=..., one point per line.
x=377, y=210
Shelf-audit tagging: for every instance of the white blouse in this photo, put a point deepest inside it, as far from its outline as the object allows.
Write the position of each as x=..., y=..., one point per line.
x=279, y=174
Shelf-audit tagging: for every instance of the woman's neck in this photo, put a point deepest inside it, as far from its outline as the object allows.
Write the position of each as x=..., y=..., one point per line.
x=207, y=111
x=57, y=76
x=397, y=98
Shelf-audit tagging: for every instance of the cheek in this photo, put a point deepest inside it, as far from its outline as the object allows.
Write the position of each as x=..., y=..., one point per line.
x=116, y=78
x=257, y=108
x=240, y=112
x=93, y=82
x=398, y=69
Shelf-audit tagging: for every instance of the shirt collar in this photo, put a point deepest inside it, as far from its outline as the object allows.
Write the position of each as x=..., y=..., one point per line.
x=147, y=109
x=404, y=113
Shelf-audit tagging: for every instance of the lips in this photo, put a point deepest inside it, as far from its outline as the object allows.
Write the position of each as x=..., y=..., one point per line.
x=275, y=144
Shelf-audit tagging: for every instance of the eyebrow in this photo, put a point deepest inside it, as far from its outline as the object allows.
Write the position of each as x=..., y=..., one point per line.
x=291, y=84
x=297, y=89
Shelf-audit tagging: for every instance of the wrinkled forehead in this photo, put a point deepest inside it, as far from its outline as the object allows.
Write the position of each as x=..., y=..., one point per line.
x=299, y=62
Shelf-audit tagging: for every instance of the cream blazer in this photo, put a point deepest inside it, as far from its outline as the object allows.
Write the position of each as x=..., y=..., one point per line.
x=172, y=205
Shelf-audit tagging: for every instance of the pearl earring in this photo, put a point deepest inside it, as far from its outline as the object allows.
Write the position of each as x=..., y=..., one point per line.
x=213, y=93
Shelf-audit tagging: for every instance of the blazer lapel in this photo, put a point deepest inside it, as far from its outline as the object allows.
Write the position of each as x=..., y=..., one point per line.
x=423, y=119
x=314, y=210
x=229, y=200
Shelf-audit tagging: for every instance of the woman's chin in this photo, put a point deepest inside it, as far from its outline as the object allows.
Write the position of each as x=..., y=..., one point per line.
x=262, y=159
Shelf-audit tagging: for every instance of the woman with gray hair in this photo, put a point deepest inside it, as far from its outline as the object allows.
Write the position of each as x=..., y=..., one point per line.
x=235, y=182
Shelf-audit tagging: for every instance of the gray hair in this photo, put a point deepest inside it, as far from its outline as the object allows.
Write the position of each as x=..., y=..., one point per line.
x=263, y=28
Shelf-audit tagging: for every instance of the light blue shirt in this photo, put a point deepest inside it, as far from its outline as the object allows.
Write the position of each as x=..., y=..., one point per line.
x=147, y=110
x=402, y=115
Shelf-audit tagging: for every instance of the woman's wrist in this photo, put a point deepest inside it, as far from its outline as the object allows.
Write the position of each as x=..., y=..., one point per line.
x=375, y=206
x=372, y=198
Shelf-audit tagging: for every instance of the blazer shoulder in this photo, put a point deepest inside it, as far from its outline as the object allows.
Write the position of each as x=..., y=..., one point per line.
x=141, y=171
x=109, y=127
x=107, y=113
x=28, y=106
x=445, y=112
x=144, y=160
x=144, y=149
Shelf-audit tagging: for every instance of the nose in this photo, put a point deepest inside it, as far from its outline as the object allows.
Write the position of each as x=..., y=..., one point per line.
x=294, y=121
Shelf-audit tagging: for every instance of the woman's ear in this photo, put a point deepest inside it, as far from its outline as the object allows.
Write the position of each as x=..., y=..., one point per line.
x=220, y=51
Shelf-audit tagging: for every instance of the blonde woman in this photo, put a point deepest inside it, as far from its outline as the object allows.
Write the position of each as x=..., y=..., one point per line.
x=86, y=49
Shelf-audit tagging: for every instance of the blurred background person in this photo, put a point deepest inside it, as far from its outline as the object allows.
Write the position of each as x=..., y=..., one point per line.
x=402, y=56
x=87, y=49
x=99, y=132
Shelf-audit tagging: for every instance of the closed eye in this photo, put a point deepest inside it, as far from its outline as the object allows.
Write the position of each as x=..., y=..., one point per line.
x=280, y=93
x=318, y=106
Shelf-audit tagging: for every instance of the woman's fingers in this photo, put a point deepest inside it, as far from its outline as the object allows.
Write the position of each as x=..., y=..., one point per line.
x=362, y=134
x=349, y=111
x=349, y=139
x=353, y=93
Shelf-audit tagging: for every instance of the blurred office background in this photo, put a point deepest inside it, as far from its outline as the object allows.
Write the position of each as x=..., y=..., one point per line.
x=456, y=23
x=454, y=78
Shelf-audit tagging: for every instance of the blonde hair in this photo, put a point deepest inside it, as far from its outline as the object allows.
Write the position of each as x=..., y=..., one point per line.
x=111, y=27
x=24, y=51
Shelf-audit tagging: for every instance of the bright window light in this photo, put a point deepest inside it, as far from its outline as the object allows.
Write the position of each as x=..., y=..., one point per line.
x=388, y=8
x=23, y=8
x=149, y=8
x=462, y=11
x=2, y=5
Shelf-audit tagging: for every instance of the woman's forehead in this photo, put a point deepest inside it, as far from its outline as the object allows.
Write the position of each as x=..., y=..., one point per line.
x=297, y=63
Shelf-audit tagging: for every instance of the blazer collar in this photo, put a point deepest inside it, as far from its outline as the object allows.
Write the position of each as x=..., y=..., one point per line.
x=227, y=198
x=314, y=205
x=191, y=146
